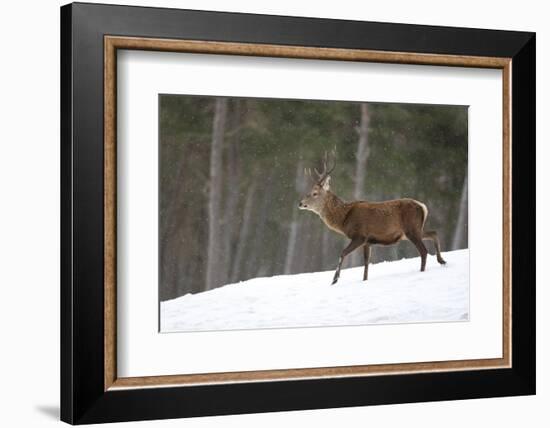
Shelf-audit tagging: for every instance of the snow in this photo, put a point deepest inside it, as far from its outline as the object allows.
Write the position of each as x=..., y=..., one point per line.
x=396, y=292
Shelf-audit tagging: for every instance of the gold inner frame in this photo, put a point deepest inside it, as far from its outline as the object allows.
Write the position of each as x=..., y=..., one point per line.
x=113, y=43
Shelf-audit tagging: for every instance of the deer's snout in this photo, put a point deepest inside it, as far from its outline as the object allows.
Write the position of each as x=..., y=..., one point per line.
x=301, y=205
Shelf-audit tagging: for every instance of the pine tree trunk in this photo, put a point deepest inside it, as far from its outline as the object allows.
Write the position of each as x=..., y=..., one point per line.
x=460, y=238
x=236, y=271
x=291, y=245
x=254, y=263
x=294, y=224
x=361, y=157
x=362, y=153
x=171, y=223
x=232, y=190
x=327, y=242
x=215, y=195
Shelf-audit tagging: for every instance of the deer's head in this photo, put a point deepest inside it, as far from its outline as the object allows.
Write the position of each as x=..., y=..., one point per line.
x=315, y=199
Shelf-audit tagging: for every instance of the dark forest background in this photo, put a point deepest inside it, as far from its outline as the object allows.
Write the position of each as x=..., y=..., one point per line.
x=232, y=174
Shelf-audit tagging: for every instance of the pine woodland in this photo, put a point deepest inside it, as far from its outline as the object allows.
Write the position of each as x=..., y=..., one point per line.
x=233, y=170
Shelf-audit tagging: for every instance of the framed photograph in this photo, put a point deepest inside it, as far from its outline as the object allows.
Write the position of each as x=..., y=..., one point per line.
x=265, y=213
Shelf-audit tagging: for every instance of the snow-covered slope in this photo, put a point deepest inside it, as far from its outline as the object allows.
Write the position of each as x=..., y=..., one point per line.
x=396, y=292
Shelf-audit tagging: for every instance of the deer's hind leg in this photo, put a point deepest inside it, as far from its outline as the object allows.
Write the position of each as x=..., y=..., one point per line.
x=416, y=239
x=366, y=251
x=354, y=244
x=432, y=235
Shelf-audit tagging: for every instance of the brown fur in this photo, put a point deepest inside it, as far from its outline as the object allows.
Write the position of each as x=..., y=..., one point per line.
x=371, y=223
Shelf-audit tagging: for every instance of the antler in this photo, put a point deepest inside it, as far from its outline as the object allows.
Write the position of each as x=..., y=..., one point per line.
x=323, y=175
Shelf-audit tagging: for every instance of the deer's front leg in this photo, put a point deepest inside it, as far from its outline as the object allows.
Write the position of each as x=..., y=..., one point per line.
x=355, y=243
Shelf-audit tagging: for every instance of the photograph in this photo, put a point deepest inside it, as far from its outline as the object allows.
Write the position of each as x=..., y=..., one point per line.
x=290, y=213
x=264, y=211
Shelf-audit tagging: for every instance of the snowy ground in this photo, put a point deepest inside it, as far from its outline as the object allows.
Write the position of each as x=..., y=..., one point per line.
x=396, y=292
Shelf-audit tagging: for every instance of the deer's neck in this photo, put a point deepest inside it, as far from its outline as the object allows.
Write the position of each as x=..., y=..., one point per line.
x=334, y=212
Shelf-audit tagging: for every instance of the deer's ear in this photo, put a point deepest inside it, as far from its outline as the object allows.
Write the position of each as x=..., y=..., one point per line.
x=326, y=183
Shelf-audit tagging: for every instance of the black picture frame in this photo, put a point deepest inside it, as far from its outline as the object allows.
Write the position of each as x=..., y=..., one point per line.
x=83, y=398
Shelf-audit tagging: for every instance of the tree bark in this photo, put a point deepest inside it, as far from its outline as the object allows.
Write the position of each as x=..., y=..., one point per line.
x=236, y=272
x=460, y=238
x=255, y=262
x=327, y=244
x=362, y=154
x=215, y=194
x=361, y=157
x=171, y=224
x=232, y=190
x=294, y=224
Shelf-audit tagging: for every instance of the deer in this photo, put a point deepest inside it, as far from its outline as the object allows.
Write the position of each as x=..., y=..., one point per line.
x=369, y=223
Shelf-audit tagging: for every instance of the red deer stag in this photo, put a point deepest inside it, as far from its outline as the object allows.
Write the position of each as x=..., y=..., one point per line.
x=370, y=223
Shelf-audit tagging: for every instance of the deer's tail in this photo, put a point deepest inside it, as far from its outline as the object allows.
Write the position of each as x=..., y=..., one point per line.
x=425, y=211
